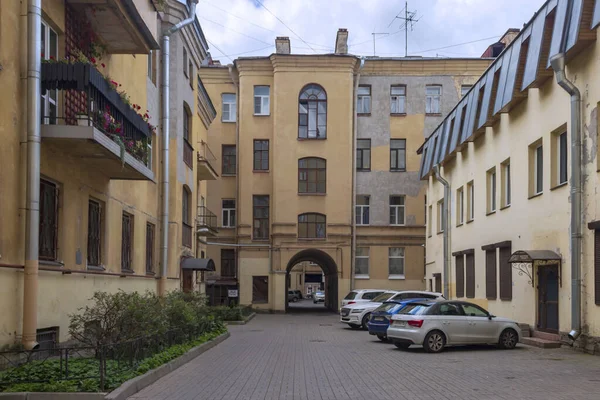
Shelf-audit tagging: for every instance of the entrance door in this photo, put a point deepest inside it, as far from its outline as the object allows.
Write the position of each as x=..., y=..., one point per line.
x=438, y=282
x=188, y=280
x=548, y=298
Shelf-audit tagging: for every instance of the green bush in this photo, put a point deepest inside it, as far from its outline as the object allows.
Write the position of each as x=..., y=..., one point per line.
x=235, y=313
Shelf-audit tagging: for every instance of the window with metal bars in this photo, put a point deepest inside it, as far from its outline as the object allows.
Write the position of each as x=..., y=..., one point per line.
x=94, y=244
x=150, y=248
x=127, y=243
x=48, y=243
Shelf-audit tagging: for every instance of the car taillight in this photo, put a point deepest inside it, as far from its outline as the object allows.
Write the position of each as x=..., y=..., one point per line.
x=391, y=322
x=416, y=323
x=351, y=302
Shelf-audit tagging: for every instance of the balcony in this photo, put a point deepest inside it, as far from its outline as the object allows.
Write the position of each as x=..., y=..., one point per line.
x=94, y=124
x=123, y=26
x=206, y=222
x=206, y=159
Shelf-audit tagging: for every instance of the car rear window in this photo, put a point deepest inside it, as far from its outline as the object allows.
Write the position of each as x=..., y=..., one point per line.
x=387, y=307
x=383, y=297
x=414, y=309
x=350, y=296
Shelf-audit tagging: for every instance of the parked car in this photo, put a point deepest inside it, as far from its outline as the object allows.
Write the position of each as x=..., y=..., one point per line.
x=292, y=296
x=436, y=325
x=357, y=315
x=380, y=317
x=361, y=296
x=318, y=297
x=298, y=294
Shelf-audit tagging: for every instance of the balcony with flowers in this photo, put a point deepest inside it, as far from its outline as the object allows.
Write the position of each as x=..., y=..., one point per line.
x=93, y=120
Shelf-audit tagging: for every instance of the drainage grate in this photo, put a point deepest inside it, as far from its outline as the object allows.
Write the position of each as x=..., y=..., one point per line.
x=317, y=341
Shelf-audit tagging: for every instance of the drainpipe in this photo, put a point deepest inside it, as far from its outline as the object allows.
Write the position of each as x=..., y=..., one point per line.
x=30, y=276
x=237, y=164
x=446, y=219
x=164, y=216
x=354, y=145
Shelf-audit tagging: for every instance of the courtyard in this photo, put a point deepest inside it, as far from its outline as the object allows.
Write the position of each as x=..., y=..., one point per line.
x=310, y=355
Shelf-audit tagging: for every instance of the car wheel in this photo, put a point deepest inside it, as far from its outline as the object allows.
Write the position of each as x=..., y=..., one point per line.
x=434, y=342
x=402, y=346
x=314, y=301
x=508, y=339
x=382, y=338
x=354, y=326
x=365, y=320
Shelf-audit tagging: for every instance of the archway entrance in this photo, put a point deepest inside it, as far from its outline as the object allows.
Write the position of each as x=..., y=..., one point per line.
x=330, y=272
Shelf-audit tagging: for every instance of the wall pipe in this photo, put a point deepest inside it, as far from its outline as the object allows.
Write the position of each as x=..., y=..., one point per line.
x=237, y=164
x=30, y=277
x=446, y=220
x=164, y=216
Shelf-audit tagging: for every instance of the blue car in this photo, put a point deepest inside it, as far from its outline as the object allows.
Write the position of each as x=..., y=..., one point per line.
x=380, y=317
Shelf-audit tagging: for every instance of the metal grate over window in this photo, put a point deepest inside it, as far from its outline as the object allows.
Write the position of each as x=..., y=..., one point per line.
x=126, y=243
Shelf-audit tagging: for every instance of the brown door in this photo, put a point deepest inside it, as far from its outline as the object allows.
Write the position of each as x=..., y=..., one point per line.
x=438, y=282
x=548, y=298
x=188, y=280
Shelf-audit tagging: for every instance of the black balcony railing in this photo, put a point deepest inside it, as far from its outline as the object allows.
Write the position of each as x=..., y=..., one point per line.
x=206, y=219
x=95, y=101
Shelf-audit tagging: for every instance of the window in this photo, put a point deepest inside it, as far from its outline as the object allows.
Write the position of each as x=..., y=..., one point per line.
x=470, y=275
x=185, y=63
x=229, y=160
x=560, y=154
x=48, y=221
x=261, y=100
x=228, y=113
x=396, y=262
x=94, y=245
x=312, y=175
x=311, y=226
x=536, y=163
x=398, y=155
x=363, y=154
x=506, y=273
x=597, y=267
x=363, y=105
x=260, y=289
x=228, y=213
x=397, y=210
x=361, y=263
x=398, y=100
x=228, y=263
x=471, y=310
x=261, y=155
x=127, y=242
x=491, y=280
x=460, y=275
x=49, y=100
x=460, y=206
x=186, y=201
x=362, y=210
x=441, y=221
x=260, y=229
x=449, y=309
x=188, y=150
x=470, y=201
x=464, y=89
x=505, y=183
x=312, y=113
x=430, y=223
x=152, y=66
x=150, y=228
x=433, y=97
x=191, y=72
x=491, y=190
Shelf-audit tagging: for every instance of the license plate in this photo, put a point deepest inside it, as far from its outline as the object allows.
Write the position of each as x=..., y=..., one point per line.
x=400, y=323
x=378, y=319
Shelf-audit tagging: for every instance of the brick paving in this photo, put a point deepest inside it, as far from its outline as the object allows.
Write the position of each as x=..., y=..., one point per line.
x=312, y=356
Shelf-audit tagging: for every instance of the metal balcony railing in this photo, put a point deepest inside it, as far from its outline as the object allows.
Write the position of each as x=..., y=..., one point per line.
x=206, y=219
x=205, y=153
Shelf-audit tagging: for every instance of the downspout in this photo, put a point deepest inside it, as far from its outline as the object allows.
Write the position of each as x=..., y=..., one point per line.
x=164, y=216
x=30, y=276
x=446, y=219
x=237, y=164
x=354, y=145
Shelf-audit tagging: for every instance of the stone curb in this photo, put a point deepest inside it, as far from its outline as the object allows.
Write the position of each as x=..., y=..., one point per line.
x=138, y=383
x=51, y=396
x=244, y=322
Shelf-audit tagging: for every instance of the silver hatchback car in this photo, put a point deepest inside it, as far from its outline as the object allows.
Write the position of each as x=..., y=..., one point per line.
x=447, y=323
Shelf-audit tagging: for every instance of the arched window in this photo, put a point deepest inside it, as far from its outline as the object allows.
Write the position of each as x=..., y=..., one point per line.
x=188, y=150
x=186, y=216
x=312, y=173
x=312, y=112
x=311, y=226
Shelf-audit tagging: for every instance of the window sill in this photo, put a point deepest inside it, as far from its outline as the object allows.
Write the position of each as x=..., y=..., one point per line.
x=59, y=264
x=363, y=224
x=440, y=232
x=262, y=240
x=126, y=272
x=227, y=175
x=361, y=277
x=150, y=273
x=397, y=225
x=260, y=171
x=363, y=114
x=312, y=239
x=312, y=194
x=398, y=170
x=433, y=114
x=96, y=268
x=471, y=220
x=398, y=114
x=459, y=225
x=535, y=195
x=396, y=277
x=430, y=235
x=363, y=170
x=505, y=207
x=228, y=122
x=559, y=185
x=228, y=227
x=490, y=213
x=262, y=115
x=302, y=139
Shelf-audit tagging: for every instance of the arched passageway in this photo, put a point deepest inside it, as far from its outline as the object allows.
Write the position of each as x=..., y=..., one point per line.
x=330, y=270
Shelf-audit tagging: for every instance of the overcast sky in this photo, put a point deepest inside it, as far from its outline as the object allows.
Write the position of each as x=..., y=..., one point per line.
x=240, y=28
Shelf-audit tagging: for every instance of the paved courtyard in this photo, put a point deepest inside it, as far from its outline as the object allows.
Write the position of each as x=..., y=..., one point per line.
x=312, y=356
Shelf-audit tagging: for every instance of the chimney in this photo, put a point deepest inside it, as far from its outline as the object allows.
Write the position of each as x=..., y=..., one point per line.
x=341, y=41
x=282, y=45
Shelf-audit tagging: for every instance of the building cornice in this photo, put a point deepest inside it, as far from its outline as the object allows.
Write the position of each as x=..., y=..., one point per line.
x=321, y=63
x=454, y=66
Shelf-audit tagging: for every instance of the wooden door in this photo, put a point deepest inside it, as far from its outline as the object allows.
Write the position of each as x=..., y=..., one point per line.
x=548, y=298
x=188, y=280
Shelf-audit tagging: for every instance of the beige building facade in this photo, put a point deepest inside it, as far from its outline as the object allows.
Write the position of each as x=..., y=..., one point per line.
x=506, y=151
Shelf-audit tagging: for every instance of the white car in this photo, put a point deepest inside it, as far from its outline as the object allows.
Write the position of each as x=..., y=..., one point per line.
x=435, y=325
x=357, y=315
x=361, y=296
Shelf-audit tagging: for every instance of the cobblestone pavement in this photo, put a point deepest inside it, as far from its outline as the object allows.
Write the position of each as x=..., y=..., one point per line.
x=313, y=356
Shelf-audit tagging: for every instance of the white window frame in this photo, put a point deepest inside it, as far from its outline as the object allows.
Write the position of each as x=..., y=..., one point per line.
x=433, y=99
x=362, y=276
x=398, y=100
x=506, y=194
x=491, y=176
x=397, y=209
x=47, y=52
x=230, y=106
x=440, y=216
x=360, y=211
x=470, y=201
x=265, y=101
x=430, y=221
x=401, y=257
x=536, y=154
x=559, y=156
x=460, y=203
x=363, y=101
x=228, y=215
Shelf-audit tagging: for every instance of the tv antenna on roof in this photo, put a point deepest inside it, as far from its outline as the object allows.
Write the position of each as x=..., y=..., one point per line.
x=374, y=35
x=410, y=19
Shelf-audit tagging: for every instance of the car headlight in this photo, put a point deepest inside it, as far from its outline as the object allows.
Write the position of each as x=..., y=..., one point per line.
x=358, y=311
